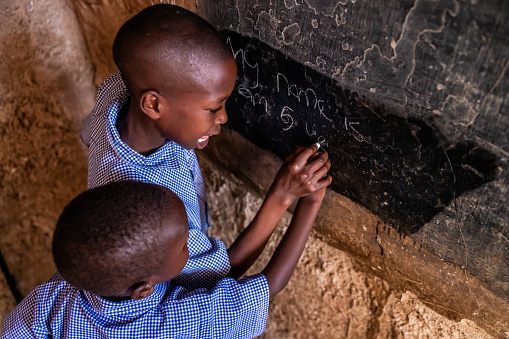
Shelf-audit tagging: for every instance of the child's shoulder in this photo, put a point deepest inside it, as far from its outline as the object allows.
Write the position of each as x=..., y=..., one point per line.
x=114, y=80
x=39, y=307
x=111, y=96
x=55, y=290
x=111, y=89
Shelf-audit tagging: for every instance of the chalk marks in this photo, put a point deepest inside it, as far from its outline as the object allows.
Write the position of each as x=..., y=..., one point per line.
x=287, y=95
x=394, y=166
x=255, y=99
x=286, y=117
x=300, y=93
x=251, y=80
x=284, y=95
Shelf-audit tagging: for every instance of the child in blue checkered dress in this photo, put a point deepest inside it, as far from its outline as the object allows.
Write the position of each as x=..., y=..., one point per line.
x=117, y=247
x=132, y=263
x=176, y=74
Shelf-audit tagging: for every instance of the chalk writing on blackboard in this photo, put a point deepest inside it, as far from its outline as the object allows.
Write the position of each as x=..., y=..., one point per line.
x=395, y=166
x=299, y=93
x=249, y=87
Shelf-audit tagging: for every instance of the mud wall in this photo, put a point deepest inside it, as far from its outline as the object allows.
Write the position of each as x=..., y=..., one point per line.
x=46, y=90
x=54, y=55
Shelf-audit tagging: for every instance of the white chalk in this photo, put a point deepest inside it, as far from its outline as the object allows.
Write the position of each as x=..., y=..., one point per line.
x=317, y=145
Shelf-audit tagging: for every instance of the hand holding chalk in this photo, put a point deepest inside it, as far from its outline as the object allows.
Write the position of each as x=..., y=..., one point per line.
x=304, y=172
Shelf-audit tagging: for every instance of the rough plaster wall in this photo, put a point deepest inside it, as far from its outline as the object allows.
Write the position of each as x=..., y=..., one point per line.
x=327, y=296
x=7, y=301
x=407, y=317
x=45, y=91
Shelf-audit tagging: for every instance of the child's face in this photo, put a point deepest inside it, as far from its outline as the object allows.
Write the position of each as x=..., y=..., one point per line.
x=190, y=117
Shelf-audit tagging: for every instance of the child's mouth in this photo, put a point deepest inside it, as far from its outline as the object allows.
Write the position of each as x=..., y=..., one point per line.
x=203, y=141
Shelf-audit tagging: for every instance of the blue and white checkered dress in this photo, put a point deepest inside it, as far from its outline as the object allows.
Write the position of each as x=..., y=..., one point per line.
x=110, y=159
x=199, y=303
x=57, y=310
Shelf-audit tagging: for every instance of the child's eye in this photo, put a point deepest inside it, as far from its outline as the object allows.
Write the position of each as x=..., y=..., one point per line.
x=215, y=110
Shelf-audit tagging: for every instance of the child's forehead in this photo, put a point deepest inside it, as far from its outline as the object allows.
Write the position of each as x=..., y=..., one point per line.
x=209, y=80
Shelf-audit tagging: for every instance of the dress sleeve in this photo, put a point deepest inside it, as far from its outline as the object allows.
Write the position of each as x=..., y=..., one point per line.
x=28, y=319
x=86, y=129
x=232, y=309
x=208, y=262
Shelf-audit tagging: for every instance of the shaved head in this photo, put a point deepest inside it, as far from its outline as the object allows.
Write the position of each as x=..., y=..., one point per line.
x=165, y=46
x=111, y=237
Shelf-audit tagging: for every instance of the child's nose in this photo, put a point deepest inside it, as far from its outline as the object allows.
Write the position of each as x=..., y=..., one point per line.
x=222, y=117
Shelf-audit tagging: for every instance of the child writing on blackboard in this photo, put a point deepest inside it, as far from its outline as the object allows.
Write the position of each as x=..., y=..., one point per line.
x=168, y=98
x=117, y=247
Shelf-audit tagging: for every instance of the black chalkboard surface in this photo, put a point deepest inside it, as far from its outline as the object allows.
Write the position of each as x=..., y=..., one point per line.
x=397, y=167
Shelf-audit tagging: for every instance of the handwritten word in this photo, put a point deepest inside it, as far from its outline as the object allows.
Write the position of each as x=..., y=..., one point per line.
x=250, y=89
x=297, y=92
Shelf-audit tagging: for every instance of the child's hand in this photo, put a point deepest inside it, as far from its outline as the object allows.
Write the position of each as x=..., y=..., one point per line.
x=318, y=195
x=304, y=172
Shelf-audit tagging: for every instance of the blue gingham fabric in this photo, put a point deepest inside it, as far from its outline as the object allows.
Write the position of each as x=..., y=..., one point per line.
x=208, y=262
x=57, y=310
x=110, y=159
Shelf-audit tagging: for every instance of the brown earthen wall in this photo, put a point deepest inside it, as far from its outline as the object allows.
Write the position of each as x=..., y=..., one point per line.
x=46, y=90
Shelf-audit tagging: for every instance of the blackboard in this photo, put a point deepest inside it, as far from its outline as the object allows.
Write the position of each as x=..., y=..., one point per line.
x=398, y=167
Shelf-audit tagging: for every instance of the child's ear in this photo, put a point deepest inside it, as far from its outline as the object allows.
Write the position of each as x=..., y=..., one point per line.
x=142, y=290
x=150, y=102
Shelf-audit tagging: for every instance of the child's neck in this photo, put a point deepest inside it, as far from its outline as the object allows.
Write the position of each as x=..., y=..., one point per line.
x=138, y=131
x=117, y=299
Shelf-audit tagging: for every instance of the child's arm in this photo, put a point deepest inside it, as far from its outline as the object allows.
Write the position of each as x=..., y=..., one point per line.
x=304, y=172
x=284, y=260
